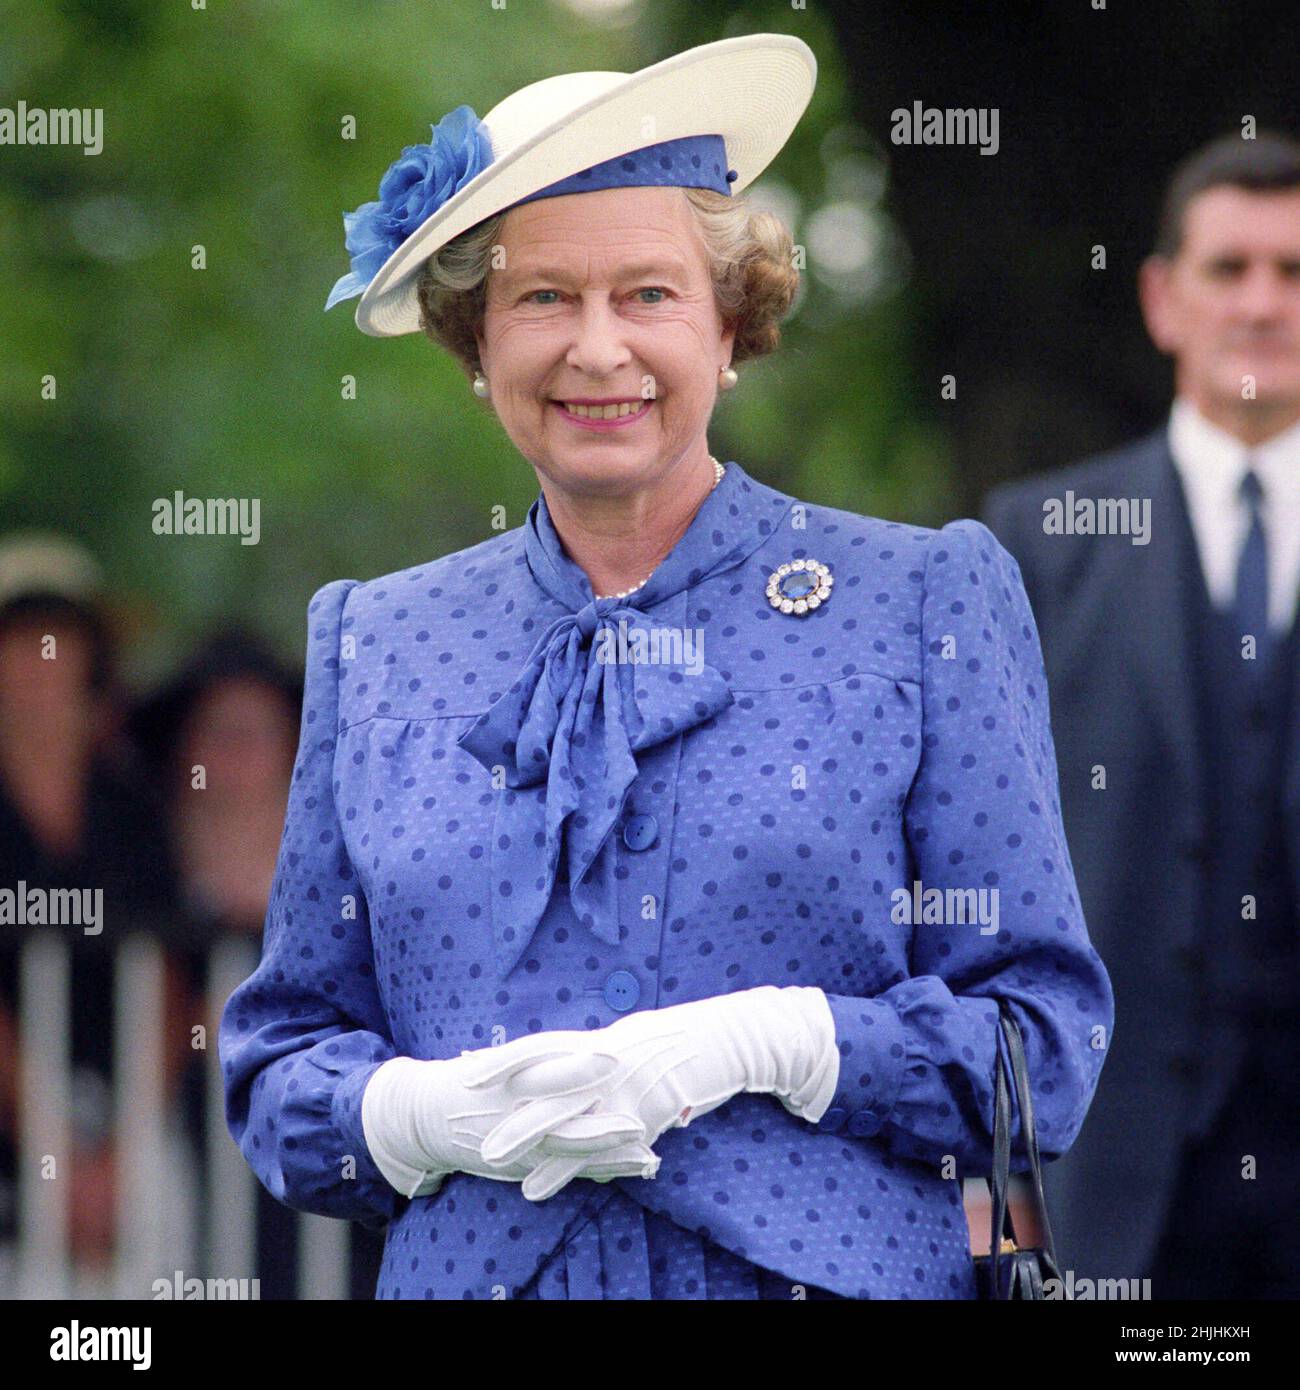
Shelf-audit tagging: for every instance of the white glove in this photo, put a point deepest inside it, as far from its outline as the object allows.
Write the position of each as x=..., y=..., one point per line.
x=669, y=1066
x=422, y=1123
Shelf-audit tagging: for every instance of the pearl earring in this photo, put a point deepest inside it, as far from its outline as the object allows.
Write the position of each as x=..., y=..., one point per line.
x=481, y=387
x=727, y=378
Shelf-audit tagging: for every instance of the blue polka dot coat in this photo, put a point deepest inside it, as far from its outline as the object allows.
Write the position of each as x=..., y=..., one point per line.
x=510, y=814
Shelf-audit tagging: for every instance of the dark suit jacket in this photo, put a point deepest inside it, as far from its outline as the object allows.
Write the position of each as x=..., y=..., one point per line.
x=1115, y=623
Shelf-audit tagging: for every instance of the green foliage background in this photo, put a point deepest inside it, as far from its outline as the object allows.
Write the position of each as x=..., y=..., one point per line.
x=222, y=128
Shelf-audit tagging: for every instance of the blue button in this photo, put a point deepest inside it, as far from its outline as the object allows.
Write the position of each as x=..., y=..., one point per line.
x=863, y=1123
x=622, y=990
x=640, y=832
x=833, y=1119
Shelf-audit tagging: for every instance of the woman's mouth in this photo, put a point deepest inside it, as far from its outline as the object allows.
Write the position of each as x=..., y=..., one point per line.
x=604, y=417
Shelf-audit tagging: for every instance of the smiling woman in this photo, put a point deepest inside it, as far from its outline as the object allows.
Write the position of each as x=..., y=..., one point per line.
x=750, y=265
x=544, y=921
x=604, y=323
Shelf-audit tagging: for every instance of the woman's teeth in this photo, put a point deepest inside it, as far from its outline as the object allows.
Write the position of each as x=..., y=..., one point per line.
x=604, y=412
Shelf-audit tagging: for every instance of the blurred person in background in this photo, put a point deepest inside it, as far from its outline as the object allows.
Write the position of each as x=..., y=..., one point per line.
x=219, y=737
x=75, y=812
x=1174, y=665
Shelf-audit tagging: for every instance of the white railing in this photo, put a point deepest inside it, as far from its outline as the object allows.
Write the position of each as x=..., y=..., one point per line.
x=163, y=1191
x=166, y=1197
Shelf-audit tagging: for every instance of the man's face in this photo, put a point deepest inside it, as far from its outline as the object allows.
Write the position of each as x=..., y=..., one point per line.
x=1227, y=307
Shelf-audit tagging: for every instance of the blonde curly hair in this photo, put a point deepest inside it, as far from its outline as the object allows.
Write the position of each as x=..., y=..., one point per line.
x=750, y=263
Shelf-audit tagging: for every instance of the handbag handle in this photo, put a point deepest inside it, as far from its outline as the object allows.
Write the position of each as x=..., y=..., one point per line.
x=1000, y=1182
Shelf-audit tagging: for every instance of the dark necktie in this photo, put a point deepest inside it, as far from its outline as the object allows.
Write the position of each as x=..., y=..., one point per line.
x=1251, y=604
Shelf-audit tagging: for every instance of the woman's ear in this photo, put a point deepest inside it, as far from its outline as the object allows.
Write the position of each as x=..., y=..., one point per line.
x=728, y=341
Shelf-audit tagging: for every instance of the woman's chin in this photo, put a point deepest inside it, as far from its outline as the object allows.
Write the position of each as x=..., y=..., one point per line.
x=601, y=458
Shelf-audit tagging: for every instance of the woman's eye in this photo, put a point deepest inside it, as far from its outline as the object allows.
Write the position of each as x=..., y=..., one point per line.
x=645, y=289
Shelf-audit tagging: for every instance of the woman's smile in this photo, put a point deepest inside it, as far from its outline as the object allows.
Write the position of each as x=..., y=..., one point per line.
x=608, y=417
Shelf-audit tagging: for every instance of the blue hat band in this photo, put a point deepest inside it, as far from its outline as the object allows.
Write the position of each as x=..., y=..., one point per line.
x=427, y=176
x=693, y=161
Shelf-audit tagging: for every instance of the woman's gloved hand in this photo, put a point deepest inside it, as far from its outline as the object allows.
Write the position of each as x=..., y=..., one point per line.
x=422, y=1122
x=573, y=1092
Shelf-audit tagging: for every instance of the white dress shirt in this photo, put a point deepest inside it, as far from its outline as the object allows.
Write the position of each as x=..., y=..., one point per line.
x=1211, y=464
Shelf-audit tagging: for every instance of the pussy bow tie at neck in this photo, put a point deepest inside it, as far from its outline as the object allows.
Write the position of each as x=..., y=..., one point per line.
x=566, y=730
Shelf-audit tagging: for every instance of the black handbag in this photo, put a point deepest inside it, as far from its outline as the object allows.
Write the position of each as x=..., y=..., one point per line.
x=1007, y=1271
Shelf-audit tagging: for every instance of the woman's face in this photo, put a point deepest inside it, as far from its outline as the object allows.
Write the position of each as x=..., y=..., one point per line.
x=242, y=732
x=41, y=684
x=603, y=295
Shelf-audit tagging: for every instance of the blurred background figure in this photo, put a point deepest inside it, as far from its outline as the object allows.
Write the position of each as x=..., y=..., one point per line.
x=1173, y=664
x=75, y=812
x=219, y=739
x=174, y=807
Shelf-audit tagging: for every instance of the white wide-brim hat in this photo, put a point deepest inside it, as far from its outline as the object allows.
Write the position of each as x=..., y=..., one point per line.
x=750, y=90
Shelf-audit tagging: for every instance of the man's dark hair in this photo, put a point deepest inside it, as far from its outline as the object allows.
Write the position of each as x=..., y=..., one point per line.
x=1268, y=163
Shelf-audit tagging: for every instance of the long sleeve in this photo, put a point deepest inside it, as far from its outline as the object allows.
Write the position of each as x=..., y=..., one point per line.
x=301, y=1037
x=983, y=812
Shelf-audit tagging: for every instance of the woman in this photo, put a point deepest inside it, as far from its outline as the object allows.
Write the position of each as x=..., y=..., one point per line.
x=230, y=710
x=590, y=966
x=76, y=812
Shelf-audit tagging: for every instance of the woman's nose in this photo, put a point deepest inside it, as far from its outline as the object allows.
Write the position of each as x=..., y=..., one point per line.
x=598, y=348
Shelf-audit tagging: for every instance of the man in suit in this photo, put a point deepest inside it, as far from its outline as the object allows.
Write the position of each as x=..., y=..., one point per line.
x=1164, y=580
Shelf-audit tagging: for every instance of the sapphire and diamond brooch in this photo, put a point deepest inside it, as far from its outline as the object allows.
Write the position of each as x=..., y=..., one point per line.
x=799, y=585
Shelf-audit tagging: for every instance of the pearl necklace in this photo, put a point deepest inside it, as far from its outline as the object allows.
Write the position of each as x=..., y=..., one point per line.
x=718, y=471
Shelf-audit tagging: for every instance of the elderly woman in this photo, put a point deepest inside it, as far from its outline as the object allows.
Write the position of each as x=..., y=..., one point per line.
x=594, y=965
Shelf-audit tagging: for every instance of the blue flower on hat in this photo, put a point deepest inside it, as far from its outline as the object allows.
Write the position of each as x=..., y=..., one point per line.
x=414, y=188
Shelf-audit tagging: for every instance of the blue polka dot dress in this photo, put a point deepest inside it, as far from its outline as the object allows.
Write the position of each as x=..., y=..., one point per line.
x=813, y=750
